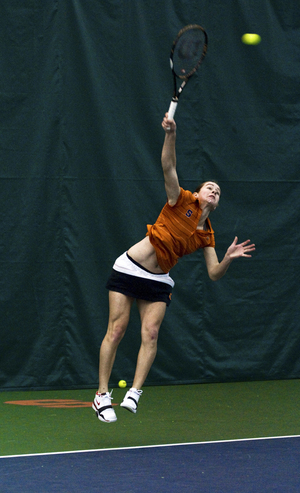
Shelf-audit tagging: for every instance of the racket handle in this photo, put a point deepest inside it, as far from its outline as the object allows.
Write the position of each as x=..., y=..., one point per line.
x=172, y=109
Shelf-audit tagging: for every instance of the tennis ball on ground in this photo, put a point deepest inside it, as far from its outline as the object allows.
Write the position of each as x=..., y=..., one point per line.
x=251, y=39
x=122, y=384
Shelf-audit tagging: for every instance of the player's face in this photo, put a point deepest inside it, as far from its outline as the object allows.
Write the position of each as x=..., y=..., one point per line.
x=209, y=194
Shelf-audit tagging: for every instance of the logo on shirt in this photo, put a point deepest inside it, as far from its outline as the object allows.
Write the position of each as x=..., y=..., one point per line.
x=188, y=213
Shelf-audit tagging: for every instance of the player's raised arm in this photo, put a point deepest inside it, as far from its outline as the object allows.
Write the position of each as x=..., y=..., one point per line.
x=168, y=161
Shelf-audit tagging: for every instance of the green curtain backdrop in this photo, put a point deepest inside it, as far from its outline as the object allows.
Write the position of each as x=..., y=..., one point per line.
x=84, y=85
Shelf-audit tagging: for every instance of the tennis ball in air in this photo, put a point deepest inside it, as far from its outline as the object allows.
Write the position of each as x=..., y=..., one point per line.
x=122, y=384
x=251, y=39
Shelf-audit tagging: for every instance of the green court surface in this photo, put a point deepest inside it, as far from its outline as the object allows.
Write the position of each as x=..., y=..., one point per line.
x=54, y=421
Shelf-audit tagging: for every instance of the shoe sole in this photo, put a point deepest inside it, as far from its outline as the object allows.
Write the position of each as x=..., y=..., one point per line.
x=130, y=409
x=101, y=418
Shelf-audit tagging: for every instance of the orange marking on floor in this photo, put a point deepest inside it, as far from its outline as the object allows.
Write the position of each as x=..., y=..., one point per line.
x=53, y=403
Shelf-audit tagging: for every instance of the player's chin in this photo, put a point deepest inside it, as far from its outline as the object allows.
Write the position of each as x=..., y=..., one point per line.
x=213, y=205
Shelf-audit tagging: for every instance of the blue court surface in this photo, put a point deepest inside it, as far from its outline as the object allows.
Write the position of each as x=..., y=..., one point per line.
x=256, y=465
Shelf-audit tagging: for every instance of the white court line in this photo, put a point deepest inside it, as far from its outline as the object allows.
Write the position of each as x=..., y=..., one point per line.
x=150, y=446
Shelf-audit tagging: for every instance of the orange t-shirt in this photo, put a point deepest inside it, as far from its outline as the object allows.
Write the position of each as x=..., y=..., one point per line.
x=175, y=233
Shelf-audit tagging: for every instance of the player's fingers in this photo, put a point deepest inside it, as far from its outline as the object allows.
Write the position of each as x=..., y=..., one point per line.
x=245, y=242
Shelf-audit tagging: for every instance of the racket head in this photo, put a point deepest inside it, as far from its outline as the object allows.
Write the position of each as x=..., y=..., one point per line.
x=188, y=51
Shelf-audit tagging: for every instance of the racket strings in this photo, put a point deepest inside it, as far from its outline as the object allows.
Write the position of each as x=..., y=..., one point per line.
x=188, y=52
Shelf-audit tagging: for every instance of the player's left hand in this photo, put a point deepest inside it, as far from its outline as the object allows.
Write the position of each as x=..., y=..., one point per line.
x=240, y=250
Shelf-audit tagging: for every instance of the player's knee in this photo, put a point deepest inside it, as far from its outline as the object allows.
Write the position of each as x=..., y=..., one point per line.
x=150, y=333
x=116, y=332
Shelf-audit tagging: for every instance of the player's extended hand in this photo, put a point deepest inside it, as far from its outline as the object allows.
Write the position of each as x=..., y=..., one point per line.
x=240, y=250
x=168, y=125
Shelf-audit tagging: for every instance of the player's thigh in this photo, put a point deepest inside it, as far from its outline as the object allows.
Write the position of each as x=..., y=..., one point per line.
x=119, y=308
x=151, y=313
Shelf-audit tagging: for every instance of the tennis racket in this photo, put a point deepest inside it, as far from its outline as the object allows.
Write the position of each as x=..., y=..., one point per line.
x=188, y=51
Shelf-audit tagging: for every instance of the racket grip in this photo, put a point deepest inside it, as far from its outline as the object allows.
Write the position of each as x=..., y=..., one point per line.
x=172, y=109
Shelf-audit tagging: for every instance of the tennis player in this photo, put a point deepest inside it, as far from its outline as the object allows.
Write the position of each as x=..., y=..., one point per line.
x=142, y=273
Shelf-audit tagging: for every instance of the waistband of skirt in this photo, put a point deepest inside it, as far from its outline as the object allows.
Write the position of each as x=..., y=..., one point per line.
x=129, y=266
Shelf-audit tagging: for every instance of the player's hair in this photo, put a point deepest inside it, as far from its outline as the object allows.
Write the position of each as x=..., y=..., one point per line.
x=202, y=185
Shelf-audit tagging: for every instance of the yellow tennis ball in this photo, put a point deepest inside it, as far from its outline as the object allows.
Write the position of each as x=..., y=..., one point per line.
x=122, y=384
x=251, y=39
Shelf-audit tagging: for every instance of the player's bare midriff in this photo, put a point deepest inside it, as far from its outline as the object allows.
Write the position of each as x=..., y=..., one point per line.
x=144, y=253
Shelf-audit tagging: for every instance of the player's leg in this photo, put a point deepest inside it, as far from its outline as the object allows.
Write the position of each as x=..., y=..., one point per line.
x=152, y=315
x=119, y=312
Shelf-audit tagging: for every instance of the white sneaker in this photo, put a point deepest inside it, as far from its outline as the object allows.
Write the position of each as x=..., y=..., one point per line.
x=131, y=400
x=103, y=408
